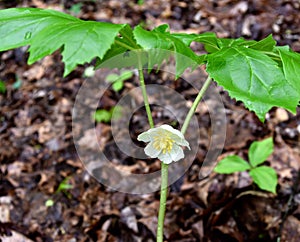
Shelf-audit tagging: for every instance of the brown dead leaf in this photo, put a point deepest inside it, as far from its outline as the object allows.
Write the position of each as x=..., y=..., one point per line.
x=36, y=72
x=291, y=230
x=16, y=236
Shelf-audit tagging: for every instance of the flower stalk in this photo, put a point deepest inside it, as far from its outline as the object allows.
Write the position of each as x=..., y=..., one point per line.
x=165, y=145
x=162, y=202
x=195, y=104
x=144, y=91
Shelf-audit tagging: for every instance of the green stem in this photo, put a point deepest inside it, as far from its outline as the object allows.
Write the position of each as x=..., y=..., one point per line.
x=195, y=104
x=162, y=202
x=164, y=167
x=144, y=93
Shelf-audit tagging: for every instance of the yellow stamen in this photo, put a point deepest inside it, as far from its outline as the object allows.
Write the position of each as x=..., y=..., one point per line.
x=163, y=142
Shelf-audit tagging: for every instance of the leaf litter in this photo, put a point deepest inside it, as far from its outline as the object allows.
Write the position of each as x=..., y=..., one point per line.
x=37, y=153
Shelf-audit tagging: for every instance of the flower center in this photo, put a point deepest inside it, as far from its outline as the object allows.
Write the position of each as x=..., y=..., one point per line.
x=163, y=142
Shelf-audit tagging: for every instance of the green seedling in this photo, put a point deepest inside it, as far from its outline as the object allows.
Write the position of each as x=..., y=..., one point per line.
x=140, y=2
x=105, y=116
x=63, y=187
x=102, y=115
x=263, y=176
x=118, y=80
x=2, y=87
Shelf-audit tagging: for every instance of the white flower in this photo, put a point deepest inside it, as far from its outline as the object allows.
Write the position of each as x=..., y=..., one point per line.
x=165, y=142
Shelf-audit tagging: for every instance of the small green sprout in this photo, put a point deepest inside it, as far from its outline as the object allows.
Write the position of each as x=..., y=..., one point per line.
x=105, y=116
x=64, y=186
x=140, y=2
x=264, y=176
x=102, y=115
x=2, y=87
x=118, y=80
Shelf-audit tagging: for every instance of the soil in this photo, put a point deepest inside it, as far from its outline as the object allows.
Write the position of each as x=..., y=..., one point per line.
x=46, y=194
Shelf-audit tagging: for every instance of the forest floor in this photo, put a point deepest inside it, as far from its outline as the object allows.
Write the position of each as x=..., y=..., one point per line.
x=46, y=194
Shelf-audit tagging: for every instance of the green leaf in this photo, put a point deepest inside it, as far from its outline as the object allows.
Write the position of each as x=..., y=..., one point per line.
x=118, y=80
x=252, y=77
x=120, y=47
x=125, y=75
x=102, y=115
x=117, y=86
x=112, y=77
x=64, y=185
x=266, y=44
x=259, y=151
x=265, y=177
x=231, y=164
x=291, y=66
x=209, y=40
x=159, y=39
x=121, y=58
x=226, y=42
x=48, y=30
x=2, y=87
x=140, y=2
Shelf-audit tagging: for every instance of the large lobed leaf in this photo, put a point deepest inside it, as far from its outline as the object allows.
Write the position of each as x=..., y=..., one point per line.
x=257, y=73
x=253, y=77
x=48, y=30
x=291, y=66
x=160, y=39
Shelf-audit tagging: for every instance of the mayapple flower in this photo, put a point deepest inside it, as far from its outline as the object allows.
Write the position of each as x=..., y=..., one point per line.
x=165, y=143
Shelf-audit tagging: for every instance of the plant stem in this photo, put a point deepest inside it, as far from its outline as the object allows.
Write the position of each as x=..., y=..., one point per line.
x=144, y=93
x=164, y=167
x=162, y=202
x=195, y=104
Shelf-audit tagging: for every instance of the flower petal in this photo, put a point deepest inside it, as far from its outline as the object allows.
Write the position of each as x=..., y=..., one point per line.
x=176, y=135
x=151, y=151
x=180, y=141
x=145, y=137
x=172, y=130
x=177, y=153
x=165, y=158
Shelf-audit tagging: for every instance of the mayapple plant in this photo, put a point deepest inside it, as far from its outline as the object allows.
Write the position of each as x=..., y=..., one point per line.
x=257, y=73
